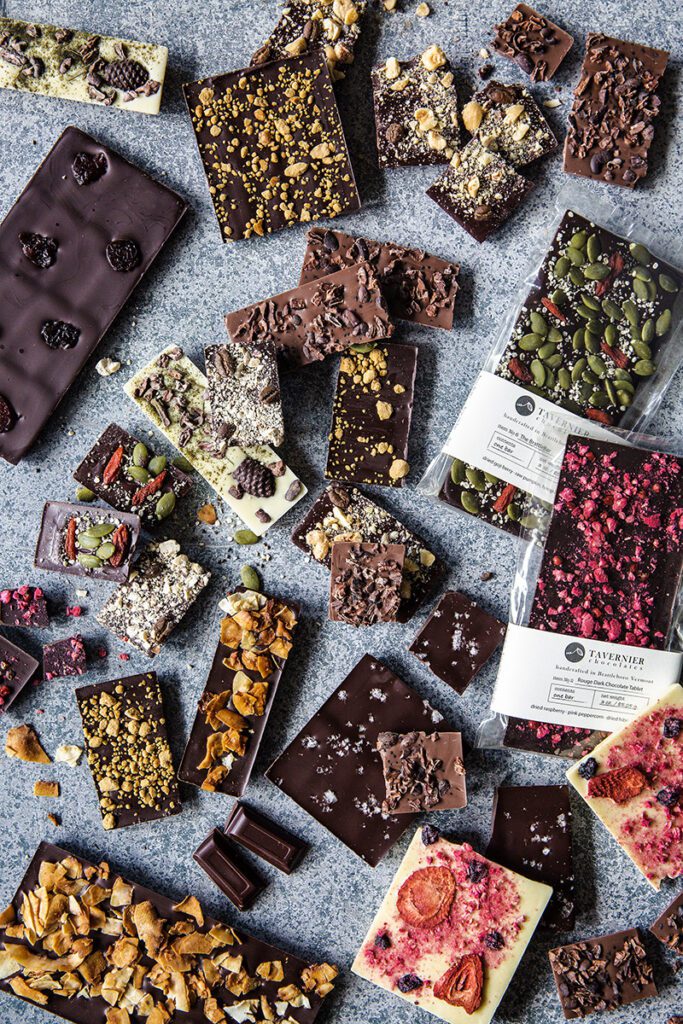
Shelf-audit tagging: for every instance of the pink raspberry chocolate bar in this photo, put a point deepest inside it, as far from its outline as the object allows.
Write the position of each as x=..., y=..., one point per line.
x=24, y=607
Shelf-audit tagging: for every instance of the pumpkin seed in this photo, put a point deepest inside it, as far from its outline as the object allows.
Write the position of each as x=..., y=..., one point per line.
x=180, y=462
x=598, y=400
x=651, y=291
x=538, y=372
x=539, y=324
x=165, y=505
x=514, y=511
x=90, y=561
x=611, y=392
x=562, y=266
x=530, y=522
x=596, y=271
x=630, y=311
x=624, y=397
x=640, y=253
x=245, y=537
x=667, y=283
x=549, y=382
x=578, y=340
x=625, y=385
x=157, y=464
x=593, y=248
x=554, y=334
x=554, y=361
x=86, y=540
x=576, y=256
x=592, y=342
x=105, y=551
x=611, y=334
x=559, y=298
x=84, y=494
x=642, y=350
x=476, y=478
x=663, y=323
x=250, y=578
x=640, y=289
x=578, y=368
x=621, y=374
x=457, y=471
x=590, y=301
x=547, y=350
x=585, y=390
x=140, y=454
x=597, y=365
x=138, y=473
x=584, y=312
x=636, y=334
x=642, y=273
x=101, y=529
x=571, y=406
x=578, y=239
x=470, y=503
x=648, y=330
x=590, y=378
x=530, y=342
x=564, y=378
x=613, y=311
x=576, y=276
x=490, y=478
x=644, y=368
x=362, y=349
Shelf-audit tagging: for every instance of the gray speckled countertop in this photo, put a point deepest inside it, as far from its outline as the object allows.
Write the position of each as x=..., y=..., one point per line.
x=324, y=908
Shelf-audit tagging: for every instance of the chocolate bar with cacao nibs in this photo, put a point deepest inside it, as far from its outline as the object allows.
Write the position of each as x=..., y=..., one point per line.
x=533, y=42
x=119, y=469
x=319, y=318
x=511, y=123
x=244, y=394
x=24, y=607
x=17, y=670
x=602, y=973
x=365, y=582
x=64, y=658
x=316, y=24
x=668, y=927
x=422, y=771
x=81, y=540
x=417, y=286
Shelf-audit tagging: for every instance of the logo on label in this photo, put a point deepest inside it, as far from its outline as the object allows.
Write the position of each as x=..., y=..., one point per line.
x=525, y=405
x=575, y=652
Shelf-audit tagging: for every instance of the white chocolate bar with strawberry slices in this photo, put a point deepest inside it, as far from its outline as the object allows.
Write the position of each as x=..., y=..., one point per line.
x=451, y=930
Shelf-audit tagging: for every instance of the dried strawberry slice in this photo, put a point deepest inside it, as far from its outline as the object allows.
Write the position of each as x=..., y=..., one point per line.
x=70, y=540
x=619, y=785
x=150, y=488
x=504, y=498
x=463, y=983
x=111, y=470
x=519, y=370
x=425, y=897
x=119, y=539
x=555, y=310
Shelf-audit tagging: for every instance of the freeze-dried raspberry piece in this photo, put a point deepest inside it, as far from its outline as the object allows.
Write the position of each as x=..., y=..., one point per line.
x=620, y=785
x=425, y=897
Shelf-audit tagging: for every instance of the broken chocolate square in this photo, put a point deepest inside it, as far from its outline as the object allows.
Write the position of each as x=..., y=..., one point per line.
x=668, y=927
x=365, y=582
x=535, y=44
x=64, y=658
x=24, y=607
x=507, y=120
x=422, y=771
x=17, y=670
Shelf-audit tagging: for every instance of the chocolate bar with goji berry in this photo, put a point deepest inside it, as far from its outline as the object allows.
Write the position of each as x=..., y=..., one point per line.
x=81, y=540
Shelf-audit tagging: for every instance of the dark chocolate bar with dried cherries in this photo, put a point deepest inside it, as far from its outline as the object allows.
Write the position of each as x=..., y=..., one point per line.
x=417, y=286
x=533, y=42
x=129, y=476
x=307, y=25
x=83, y=540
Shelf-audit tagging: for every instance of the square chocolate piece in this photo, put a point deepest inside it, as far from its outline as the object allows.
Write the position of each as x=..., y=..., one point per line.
x=422, y=771
x=532, y=834
x=535, y=44
x=373, y=408
x=479, y=190
x=457, y=640
x=244, y=394
x=24, y=607
x=17, y=670
x=316, y=24
x=416, y=110
x=602, y=974
x=64, y=658
x=332, y=768
x=611, y=124
x=83, y=540
x=294, y=167
x=365, y=582
x=668, y=927
x=511, y=123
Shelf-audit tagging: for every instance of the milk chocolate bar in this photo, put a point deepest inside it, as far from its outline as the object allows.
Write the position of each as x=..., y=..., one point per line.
x=422, y=771
x=602, y=974
x=668, y=927
x=365, y=582
x=268, y=840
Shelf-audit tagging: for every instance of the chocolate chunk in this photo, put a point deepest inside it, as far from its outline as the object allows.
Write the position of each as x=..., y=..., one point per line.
x=265, y=838
x=422, y=771
x=602, y=974
x=365, y=582
x=17, y=670
x=64, y=658
x=668, y=927
x=536, y=45
x=25, y=607
x=216, y=856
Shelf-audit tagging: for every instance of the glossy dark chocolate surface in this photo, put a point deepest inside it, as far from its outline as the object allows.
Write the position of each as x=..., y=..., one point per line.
x=216, y=856
x=17, y=670
x=265, y=838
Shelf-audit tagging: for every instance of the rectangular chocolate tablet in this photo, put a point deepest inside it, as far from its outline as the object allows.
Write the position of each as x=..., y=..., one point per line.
x=268, y=840
x=82, y=540
x=244, y=394
x=24, y=607
x=371, y=416
x=602, y=974
x=75, y=65
x=158, y=928
x=316, y=25
x=72, y=249
x=422, y=771
x=232, y=713
x=279, y=162
x=611, y=128
x=509, y=121
x=64, y=658
x=417, y=286
x=342, y=512
x=17, y=670
x=319, y=318
x=126, y=742
x=532, y=834
x=365, y=582
x=668, y=927
x=216, y=857
x=533, y=42
x=332, y=768
x=127, y=474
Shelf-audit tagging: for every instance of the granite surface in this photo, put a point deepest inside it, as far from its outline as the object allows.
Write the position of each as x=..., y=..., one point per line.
x=324, y=908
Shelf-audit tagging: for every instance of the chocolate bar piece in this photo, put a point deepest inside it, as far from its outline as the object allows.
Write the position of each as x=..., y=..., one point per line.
x=668, y=927
x=373, y=407
x=17, y=670
x=157, y=930
x=244, y=394
x=256, y=639
x=268, y=840
x=533, y=42
x=24, y=607
x=127, y=748
x=532, y=834
x=145, y=610
x=343, y=513
x=293, y=167
x=64, y=658
x=80, y=540
x=215, y=856
x=365, y=582
x=479, y=190
x=304, y=25
x=416, y=110
x=417, y=286
x=486, y=497
x=457, y=640
x=124, y=472
x=507, y=120
x=422, y=771
x=332, y=768
x=72, y=248
x=611, y=124
x=602, y=974
x=74, y=65
x=319, y=318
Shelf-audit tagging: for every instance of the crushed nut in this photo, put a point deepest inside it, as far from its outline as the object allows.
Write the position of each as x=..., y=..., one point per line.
x=423, y=10
x=472, y=114
x=207, y=514
x=70, y=755
x=399, y=469
x=433, y=57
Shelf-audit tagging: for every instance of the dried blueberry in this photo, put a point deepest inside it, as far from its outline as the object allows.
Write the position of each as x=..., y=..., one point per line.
x=430, y=834
x=6, y=416
x=382, y=941
x=668, y=797
x=123, y=255
x=88, y=167
x=409, y=982
x=41, y=250
x=476, y=870
x=672, y=729
x=59, y=334
x=494, y=940
x=588, y=768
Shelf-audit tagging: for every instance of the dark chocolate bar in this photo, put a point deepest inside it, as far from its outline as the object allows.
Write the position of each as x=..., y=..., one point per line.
x=507, y=120
x=64, y=658
x=81, y=540
x=533, y=42
x=17, y=670
x=365, y=582
x=668, y=927
x=268, y=840
x=216, y=857
x=304, y=25
x=72, y=248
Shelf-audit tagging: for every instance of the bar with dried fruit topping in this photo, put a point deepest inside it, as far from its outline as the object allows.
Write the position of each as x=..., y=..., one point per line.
x=24, y=607
x=233, y=710
x=365, y=582
x=17, y=670
x=244, y=394
x=69, y=64
x=451, y=930
x=417, y=286
x=64, y=658
x=332, y=27
x=294, y=168
x=507, y=120
x=227, y=974
x=81, y=540
x=422, y=771
x=611, y=124
x=668, y=927
x=633, y=782
x=533, y=42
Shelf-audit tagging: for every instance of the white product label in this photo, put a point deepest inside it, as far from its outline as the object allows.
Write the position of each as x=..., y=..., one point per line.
x=589, y=684
x=517, y=436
